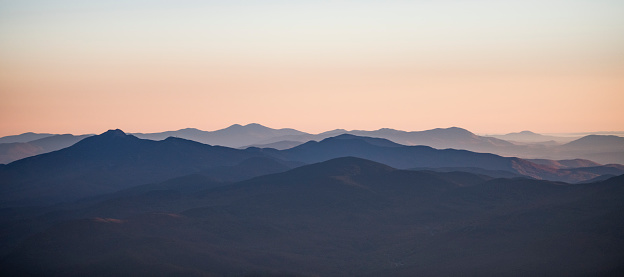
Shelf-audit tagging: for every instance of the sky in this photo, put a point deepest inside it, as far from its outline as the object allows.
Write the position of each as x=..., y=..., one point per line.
x=549, y=66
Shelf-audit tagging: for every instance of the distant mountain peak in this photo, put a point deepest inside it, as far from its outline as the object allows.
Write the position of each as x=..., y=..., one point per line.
x=527, y=132
x=451, y=131
x=250, y=126
x=524, y=133
x=234, y=126
x=458, y=129
x=110, y=136
x=454, y=129
x=598, y=141
x=114, y=133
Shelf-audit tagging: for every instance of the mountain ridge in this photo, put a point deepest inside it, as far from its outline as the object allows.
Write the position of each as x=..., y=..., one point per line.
x=256, y=135
x=108, y=162
x=115, y=160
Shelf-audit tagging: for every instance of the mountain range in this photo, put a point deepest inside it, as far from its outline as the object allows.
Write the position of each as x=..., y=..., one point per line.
x=345, y=205
x=115, y=160
x=603, y=149
x=106, y=163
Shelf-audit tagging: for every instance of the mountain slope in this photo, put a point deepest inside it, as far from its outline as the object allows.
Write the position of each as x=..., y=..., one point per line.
x=105, y=163
x=600, y=148
x=25, y=137
x=10, y=152
x=595, y=143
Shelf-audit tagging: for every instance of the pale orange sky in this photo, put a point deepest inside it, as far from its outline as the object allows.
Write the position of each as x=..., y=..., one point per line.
x=485, y=66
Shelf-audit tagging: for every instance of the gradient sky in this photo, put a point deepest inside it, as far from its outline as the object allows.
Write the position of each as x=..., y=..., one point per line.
x=145, y=66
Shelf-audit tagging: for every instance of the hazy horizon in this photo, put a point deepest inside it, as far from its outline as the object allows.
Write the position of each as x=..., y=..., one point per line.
x=570, y=134
x=490, y=67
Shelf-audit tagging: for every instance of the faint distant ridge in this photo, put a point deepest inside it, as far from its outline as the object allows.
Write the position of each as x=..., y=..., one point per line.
x=596, y=141
x=25, y=137
x=441, y=138
x=10, y=152
x=605, y=149
x=233, y=136
x=531, y=137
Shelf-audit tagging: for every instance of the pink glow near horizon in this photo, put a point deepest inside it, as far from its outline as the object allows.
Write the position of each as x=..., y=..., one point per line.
x=486, y=66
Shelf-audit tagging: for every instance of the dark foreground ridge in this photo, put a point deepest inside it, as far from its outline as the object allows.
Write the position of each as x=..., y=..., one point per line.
x=343, y=217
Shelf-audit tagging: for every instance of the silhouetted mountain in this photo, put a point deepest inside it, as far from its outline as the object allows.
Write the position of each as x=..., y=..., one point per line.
x=106, y=163
x=255, y=135
x=25, y=137
x=348, y=217
x=440, y=138
x=603, y=149
x=233, y=136
x=595, y=143
x=114, y=161
x=530, y=137
x=10, y=152
x=405, y=157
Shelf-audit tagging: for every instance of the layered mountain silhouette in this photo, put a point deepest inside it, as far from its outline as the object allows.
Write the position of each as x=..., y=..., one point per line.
x=601, y=148
x=342, y=217
x=25, y=137
x=401, y=156
x=14, y=151
x=106, y=163
x=441, y=138
x=531, y=137
x=441, y=202
x=114, y=160
x=603, y=151
x=233, y=136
